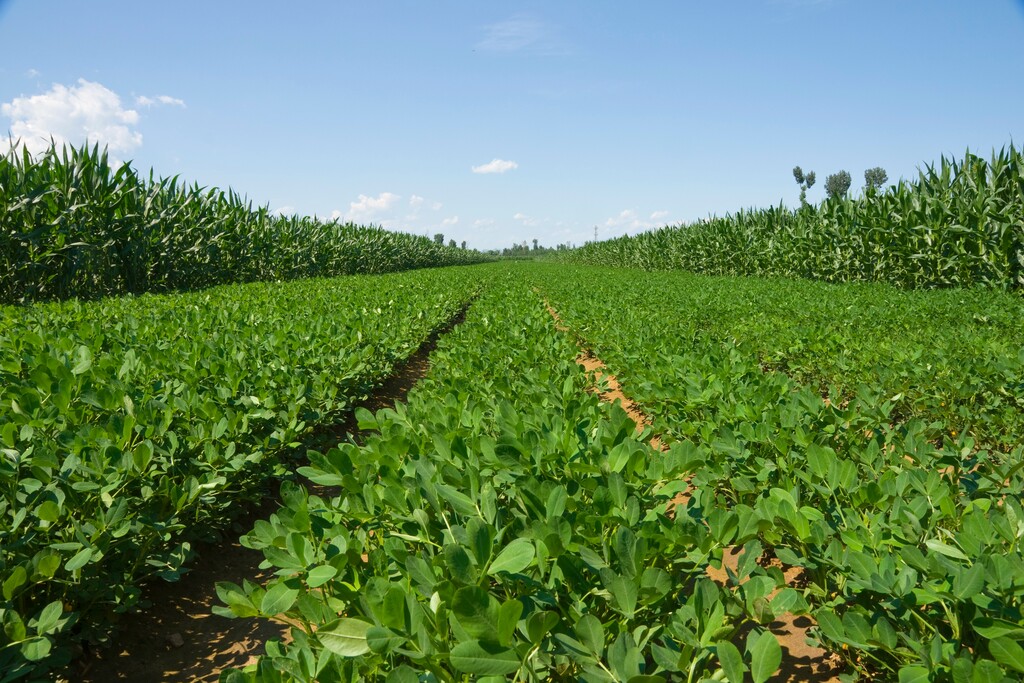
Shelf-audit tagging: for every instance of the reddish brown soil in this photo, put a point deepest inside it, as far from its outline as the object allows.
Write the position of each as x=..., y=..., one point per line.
x=178, y=639
x=801, y=661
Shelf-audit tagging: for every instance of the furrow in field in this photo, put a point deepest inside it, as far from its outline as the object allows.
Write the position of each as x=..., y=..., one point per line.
x=802, y=662
x=179, y=639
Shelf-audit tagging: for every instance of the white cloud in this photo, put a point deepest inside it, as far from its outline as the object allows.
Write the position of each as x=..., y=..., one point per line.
x=337, y=215
x=32, y=73
x=452, y=220
x=284, y=211
x=496, y=166
x=436, y=206
x=365, y=208
x=483, y=222
x=630, y=221
x=87, y=112
x=416, y=201
x=144, y=101
x=521, y=33
x=527, y=221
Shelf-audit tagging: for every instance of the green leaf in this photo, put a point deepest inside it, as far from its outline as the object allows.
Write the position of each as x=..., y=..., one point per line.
x=731, y=660
x=513, y=558
x=83, y=360
x=345, y=637
x=80, y=559
x=459, y=564
x=477, y=612
x=383, y=640
x=320, y=575
x=49, y=617
x=484, y=659
x=590, y=632
x=987, y=671
x=1008, y=653
x=913, y=674
x=945, y=549
x=508, y=617
x=278, y=599
x=13, y=582
x=36, y=649
x=765, y=657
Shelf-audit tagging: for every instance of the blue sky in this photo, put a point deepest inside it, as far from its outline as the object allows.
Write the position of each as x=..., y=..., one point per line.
x=623, y=116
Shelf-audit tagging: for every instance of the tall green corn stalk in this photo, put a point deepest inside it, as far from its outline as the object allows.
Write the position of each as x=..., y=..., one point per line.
x=958, y=223
x=74, y=225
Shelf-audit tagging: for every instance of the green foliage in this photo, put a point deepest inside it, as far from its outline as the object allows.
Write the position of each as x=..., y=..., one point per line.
x=73, y=225
x=838, y=184
x=867, y=435
x=503, y=523
x=131, y=427
x=805, y=181
x=875, y=177
x=958, y=224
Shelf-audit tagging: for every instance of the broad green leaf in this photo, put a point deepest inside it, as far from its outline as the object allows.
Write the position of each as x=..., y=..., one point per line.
x=278, y=599
x=945, y=549
x=731, y=660
x=508, y=617
x=80, y=559
x=477, y=612
x=1008, y=653
x=49, y=617
x=482, y=659
x=914, y=674
x=513, y=558
x=765, y=657
x=345, y=637
x=320, y=575
x=590, y=632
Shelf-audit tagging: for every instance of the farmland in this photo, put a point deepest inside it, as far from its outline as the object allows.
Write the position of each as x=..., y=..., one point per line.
x=844, y=453
x=506, y=522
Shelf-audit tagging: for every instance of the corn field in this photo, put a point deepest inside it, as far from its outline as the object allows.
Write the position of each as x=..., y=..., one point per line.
x=72, y=224
x=959, y=223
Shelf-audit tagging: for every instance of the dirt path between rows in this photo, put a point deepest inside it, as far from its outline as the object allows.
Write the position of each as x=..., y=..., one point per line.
x=801, y=661
x=178, y=639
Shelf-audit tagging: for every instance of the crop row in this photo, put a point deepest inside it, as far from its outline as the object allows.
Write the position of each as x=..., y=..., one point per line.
x=76, y=225
x=868, y=436
x=130, y=427
x=504, y=523
x=955, y=225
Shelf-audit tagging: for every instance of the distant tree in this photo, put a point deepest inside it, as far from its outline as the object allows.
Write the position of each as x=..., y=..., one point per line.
x=535, y=244
x=451, y=243
x=439, y=238
x=463, y=244
x=838, y=184
x=875, y=177
x=805, y=181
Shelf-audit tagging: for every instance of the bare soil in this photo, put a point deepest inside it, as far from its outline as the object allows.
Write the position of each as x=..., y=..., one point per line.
x=178, y=639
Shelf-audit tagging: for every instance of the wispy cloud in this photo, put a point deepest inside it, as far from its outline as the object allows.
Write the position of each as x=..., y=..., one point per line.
x=495, y=166
x=451, y=220
x=522, y=33
x=630, y=221
x=144, y=101
x=284, y=211
x=526, y=221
